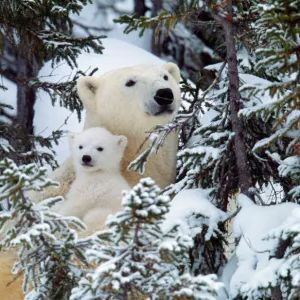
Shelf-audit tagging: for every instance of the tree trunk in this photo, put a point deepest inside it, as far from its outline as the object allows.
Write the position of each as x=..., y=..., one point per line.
x=26, y=95
x=276, y=293
x=140, y=7
x=243, y=168
x=245, y=180
x=156, y=7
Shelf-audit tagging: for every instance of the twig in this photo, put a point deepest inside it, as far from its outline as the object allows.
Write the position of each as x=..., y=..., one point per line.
x=87, y=28
x=231, y=216
x=250, y=246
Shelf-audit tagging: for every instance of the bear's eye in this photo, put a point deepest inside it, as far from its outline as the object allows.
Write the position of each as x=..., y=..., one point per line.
x=166, y=77
x=130, y=82
x=100, y=149
x=80, y=147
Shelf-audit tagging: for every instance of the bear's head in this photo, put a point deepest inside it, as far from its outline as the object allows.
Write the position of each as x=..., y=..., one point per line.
x=96, y=149
x=131, y=100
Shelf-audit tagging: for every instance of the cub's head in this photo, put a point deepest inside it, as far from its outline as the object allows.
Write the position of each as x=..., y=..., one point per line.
x=97, y=149
x=131, y=99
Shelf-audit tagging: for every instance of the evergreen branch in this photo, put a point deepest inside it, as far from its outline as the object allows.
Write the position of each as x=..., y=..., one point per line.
x=165, y=19
x=66, y=91
x=59, y=46
x=47, y=244
x=157, y=135
x=88, y=28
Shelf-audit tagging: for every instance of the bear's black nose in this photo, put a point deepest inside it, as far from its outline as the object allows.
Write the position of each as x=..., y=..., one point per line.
x=86, y=159
x=164, y=97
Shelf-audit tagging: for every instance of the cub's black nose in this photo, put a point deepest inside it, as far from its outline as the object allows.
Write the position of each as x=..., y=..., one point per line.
x=86, y=159
x=164, y=97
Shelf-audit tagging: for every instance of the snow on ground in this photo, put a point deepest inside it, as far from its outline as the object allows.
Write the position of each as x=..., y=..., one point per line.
x=190, y=209
x=117, y=54
x=251, y=225
x=288, y=266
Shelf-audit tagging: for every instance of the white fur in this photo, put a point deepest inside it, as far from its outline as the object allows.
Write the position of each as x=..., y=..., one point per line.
x=128, y=111
x=123, y=111
x=97, y=189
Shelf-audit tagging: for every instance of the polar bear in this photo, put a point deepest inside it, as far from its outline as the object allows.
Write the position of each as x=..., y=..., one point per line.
x=129, y=102
x=97, y=189
x=95, y=193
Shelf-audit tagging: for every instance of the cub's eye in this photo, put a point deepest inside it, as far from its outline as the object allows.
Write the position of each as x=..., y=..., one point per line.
x=100, y=149
x=80, y=147
x=166, y=77
x=130, y=83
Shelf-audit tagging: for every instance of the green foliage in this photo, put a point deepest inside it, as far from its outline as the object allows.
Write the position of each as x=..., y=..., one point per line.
x=64, y=92
x=32, y=33
x=13, y=138
x=135, y=256
x=47, y=31
x=164, y=20
x=47, y=245
x=279, y=29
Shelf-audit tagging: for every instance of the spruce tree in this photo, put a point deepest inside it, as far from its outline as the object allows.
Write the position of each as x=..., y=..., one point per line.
x=279, y=28
x=49, y=252
x=135, y=257
x=226, y=153
x=235, y=137
x=32, y=33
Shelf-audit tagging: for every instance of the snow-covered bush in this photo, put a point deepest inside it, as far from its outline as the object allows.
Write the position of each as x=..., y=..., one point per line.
x=257, y=268
x=135, y=256
x=46, y=243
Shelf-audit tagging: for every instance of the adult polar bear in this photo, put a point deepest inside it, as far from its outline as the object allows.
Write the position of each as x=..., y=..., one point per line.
x=130, y=101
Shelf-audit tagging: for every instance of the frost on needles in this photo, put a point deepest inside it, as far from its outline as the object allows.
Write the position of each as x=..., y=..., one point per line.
x=47, y=246
x=135, y=256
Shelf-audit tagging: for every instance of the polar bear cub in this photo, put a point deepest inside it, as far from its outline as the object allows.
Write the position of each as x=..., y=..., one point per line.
x=97, y=189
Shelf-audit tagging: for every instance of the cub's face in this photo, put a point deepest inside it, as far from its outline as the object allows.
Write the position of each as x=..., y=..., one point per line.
x=97, y=149
x=131, y=99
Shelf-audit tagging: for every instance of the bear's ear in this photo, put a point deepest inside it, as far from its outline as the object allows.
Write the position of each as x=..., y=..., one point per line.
x=173, y=70
x=71, y=136
x=86, y=87
x=122, y=141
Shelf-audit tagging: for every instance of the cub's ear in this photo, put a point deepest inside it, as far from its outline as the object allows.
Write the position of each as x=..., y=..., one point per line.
x=86, y=87
x=122, y=141
x=71, y=136
x=173, y=70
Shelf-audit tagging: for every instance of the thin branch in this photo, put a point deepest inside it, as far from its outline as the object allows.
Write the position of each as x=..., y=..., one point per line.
x=231, y=216
x=248, y=242
x=7, y=115
x=88, y=28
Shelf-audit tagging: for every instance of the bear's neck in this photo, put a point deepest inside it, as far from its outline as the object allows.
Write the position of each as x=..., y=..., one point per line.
x=80, y=173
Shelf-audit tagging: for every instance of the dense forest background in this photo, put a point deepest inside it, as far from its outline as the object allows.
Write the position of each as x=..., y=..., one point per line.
x=239, y=151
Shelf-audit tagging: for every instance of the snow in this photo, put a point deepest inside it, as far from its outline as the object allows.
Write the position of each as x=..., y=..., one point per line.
x=287, y=268
x=93, y=17
x=251, y=225
x=227, y=272
x=208, y=117
x=190, y=209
